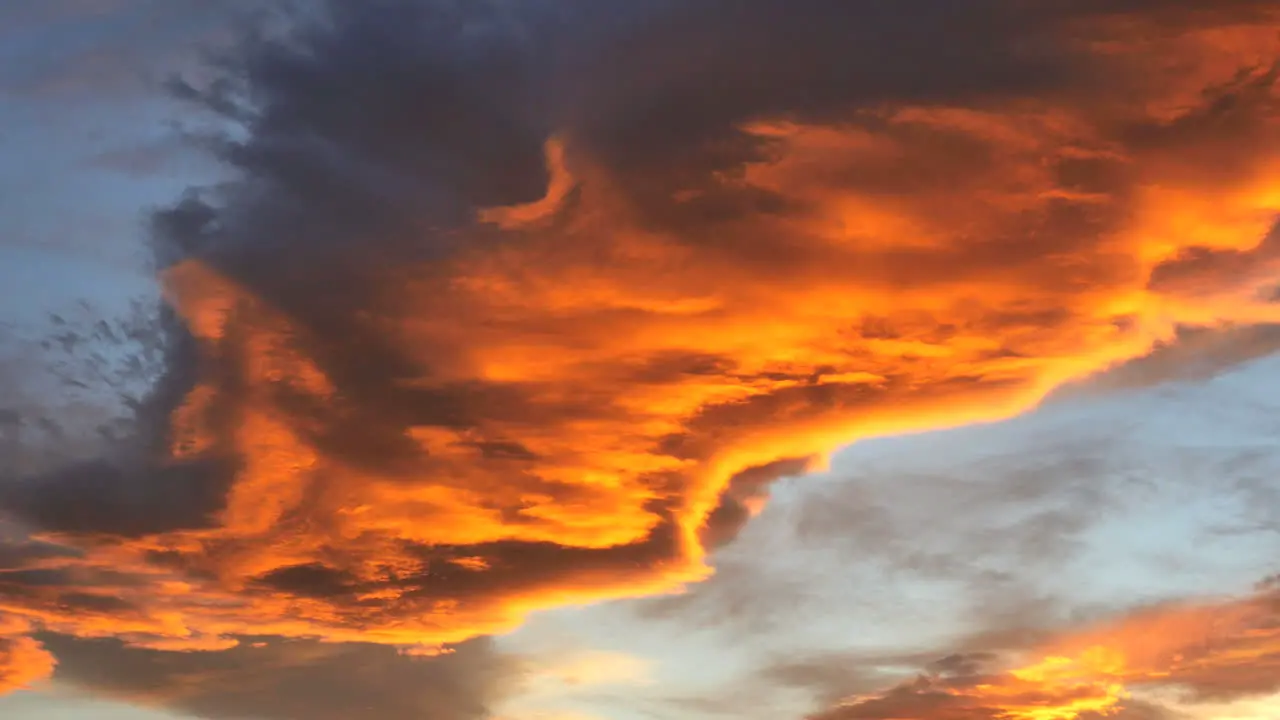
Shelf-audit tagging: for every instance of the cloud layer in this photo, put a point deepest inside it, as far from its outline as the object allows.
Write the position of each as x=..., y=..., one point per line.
x=1210, y=651
x=1004, y=544
x=518, y=306
x=269, y=678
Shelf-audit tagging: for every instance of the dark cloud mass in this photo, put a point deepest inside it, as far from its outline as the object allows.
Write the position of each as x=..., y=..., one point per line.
x=269, y=679
x=518, y=305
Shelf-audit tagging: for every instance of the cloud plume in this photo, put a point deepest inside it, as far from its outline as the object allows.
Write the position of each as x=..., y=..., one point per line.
x=514, y=306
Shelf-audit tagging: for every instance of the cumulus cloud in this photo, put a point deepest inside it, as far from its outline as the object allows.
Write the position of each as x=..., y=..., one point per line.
x=521, y=305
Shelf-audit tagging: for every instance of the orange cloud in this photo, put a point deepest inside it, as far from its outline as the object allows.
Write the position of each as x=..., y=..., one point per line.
x=23, y=661
x=1211, y=651
x=552, y=409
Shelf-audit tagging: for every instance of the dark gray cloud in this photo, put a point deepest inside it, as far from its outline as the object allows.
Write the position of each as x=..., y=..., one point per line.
x=746, y=493
x=1195, y=355
x=271, y=679
x=98, y=497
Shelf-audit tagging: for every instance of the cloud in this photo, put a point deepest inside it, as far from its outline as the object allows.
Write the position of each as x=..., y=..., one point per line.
x=522, y=305
x=1193, y=354
x=985, y=540
x=23, y=660
x=1211, y=651
x=1001, y=520
x=269, y=679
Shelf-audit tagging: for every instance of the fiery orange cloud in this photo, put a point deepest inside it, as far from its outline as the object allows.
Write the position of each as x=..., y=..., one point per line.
x=23, y=660
x=1211, y=651
x=579, y=392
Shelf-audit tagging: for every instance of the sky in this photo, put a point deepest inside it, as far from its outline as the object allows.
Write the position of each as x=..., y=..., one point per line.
x=620, y=360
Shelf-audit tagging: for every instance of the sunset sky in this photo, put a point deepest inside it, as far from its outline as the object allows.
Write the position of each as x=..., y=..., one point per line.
x=636, y=359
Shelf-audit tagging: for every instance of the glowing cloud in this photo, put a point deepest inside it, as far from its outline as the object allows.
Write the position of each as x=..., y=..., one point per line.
x=1207, y=652
x=413, y=426
x=23, y=661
